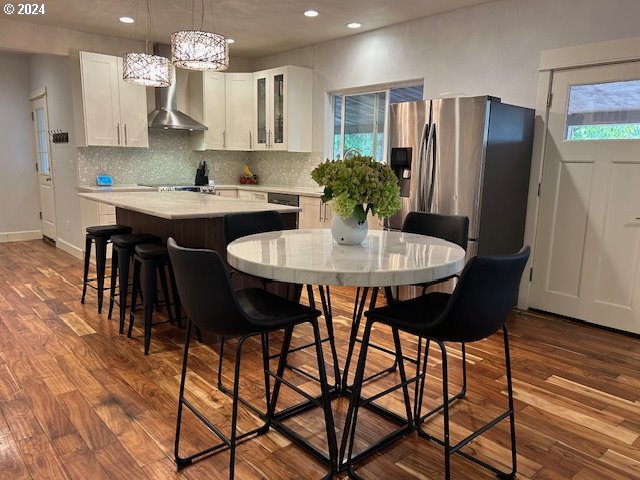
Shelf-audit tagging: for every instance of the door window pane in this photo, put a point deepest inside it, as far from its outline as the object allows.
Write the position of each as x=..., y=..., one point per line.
x=43, y=142
x=604, y=111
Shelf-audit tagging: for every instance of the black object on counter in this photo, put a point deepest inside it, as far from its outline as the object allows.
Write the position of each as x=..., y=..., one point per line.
x=202, y=177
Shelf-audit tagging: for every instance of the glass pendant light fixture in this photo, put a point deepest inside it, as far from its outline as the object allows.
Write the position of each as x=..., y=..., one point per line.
x=145, y=69
x=199, y=49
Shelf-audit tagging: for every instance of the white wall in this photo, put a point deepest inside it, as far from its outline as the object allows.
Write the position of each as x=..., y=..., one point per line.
x=18, y=182
x=493, y=48
x=53, y=72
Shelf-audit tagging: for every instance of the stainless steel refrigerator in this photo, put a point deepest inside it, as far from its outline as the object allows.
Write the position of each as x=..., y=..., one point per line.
x=464, y=156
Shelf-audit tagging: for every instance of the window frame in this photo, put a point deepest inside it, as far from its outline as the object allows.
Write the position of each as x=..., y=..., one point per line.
x=370, y=89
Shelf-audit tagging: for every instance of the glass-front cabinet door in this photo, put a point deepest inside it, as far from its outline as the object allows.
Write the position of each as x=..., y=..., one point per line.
x=261, y=111
x=270, y=109
x=278, y=110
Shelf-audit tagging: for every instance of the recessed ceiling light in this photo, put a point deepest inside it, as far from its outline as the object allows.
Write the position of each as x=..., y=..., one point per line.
x=126, y=19
x=354, y=24
x=230, y=40
x=311, y=13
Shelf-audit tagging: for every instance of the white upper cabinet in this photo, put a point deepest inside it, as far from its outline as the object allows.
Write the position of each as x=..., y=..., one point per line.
x=282, y=109
x=239, y=111
x=223, y=102
x=214, y=110
x=114, y=112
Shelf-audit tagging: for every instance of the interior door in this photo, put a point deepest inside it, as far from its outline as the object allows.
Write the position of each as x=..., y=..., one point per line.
x=44, y=167
x=586, y=262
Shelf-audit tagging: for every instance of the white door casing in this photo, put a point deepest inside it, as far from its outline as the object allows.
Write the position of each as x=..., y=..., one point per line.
x=44, y=166
x=587, y=259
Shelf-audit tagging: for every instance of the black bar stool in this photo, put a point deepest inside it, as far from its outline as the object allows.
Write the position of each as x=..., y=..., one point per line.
x=101, y=235
x=123, y=246
x=152, y=258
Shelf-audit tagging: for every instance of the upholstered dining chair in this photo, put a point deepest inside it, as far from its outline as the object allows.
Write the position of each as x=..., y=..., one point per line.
x=238, y=225
x=212, y=304
x=452, y=228
x=477, y=308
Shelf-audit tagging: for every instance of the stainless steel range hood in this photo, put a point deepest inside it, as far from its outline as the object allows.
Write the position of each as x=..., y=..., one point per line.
x=166, y=114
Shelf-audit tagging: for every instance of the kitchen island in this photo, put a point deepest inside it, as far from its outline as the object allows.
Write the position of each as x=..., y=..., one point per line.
x=194, y=219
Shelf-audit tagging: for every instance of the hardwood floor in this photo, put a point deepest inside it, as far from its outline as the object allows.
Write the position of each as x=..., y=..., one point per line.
x=77, y=400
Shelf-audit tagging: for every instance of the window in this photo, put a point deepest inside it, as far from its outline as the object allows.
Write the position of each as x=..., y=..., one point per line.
x=358, y=120
x=43, y=142
x=604, y=111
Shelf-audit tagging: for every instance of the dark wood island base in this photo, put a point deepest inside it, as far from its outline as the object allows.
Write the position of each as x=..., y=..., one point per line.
x=198, y=233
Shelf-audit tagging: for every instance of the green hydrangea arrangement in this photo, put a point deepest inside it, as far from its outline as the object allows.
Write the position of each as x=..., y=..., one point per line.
x=359, y=185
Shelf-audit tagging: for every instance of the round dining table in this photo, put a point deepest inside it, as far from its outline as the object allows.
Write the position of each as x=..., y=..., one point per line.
x=312, y=257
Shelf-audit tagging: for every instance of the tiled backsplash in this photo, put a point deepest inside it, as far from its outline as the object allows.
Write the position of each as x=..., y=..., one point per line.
x=284, y=168
x=170, y=159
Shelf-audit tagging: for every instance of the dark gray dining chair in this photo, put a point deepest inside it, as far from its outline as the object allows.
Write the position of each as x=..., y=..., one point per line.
x=238, y=225
x=212, y=304
x=477, y=308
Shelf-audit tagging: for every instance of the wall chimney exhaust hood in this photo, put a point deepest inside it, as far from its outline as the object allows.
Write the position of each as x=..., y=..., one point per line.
x=166, y=114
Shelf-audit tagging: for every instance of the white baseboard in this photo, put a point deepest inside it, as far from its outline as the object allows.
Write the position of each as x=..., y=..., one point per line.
x=20, y=236
x=70, y=248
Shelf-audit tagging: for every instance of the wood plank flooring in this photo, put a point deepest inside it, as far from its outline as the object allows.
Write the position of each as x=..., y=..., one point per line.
x=78, y=400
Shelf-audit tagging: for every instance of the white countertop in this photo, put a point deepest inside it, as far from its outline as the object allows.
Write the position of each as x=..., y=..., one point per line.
x=305, y=191
x=115, y=188
x=182, y=205
x=313, y=257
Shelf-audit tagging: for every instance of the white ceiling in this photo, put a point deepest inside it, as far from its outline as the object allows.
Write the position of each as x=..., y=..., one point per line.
x=260, y=27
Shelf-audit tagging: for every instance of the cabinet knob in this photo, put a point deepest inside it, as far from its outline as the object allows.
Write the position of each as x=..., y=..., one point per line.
x=118, y=129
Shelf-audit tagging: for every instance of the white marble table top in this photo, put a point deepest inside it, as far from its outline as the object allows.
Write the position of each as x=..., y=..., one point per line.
x=313, y=257
x=182, y=205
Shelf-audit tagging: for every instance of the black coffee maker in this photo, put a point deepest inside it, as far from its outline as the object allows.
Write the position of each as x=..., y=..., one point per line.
x=202, y=174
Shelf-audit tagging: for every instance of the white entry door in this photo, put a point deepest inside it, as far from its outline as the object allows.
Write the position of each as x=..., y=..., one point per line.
x=587, y=259
x=44, y=167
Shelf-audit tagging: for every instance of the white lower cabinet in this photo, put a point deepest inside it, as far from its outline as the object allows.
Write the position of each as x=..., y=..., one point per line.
x=250, y=195
x=314, y=214
x=94, y=213
x=227, y=193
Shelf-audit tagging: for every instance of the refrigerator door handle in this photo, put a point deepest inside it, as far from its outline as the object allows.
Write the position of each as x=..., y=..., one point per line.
x=425, y=168
x=431, y=154
x=420, y=197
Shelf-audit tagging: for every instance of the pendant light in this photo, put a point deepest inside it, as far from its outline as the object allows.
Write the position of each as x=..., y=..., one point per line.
x=145, y=69
x=199, y=49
